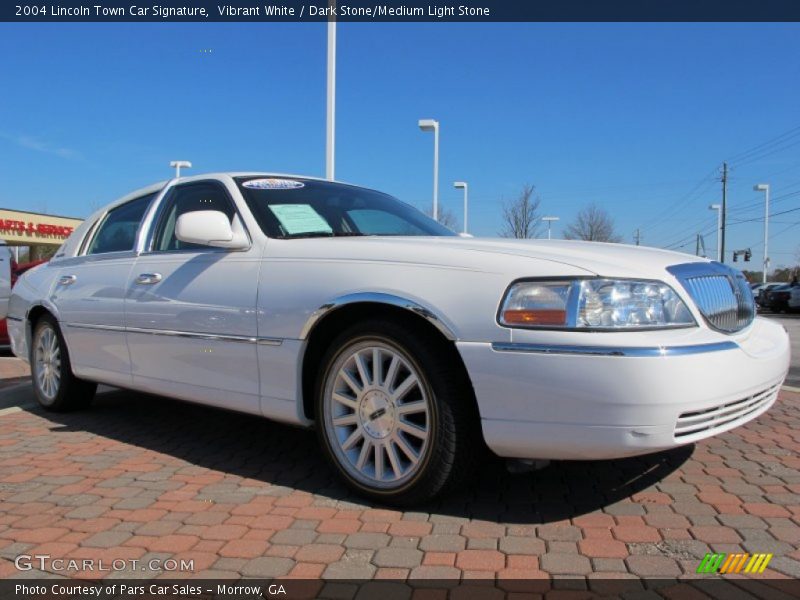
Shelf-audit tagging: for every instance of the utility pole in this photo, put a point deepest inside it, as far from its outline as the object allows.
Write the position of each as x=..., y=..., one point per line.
x=637, y=236
x=330, y=108
x=764, y=187
x=724, y=215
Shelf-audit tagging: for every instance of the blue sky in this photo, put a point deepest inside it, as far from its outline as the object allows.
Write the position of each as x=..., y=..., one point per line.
x=635, y=117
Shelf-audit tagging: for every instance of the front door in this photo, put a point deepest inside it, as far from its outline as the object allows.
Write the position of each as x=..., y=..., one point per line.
x=191, y=310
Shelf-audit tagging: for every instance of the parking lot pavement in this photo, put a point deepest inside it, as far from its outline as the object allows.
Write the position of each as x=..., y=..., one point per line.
x=140, y=477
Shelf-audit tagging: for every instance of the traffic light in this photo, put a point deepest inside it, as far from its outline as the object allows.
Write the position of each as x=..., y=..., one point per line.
x=747, y=255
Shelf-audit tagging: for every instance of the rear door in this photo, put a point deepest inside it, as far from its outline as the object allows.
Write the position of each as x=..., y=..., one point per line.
x=90, y=291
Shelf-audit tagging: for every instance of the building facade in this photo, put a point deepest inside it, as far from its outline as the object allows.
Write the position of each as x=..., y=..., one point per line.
x=41, y=234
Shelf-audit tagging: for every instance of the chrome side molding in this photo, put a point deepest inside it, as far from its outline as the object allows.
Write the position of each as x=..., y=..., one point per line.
x=632, y=351
x=264, y=341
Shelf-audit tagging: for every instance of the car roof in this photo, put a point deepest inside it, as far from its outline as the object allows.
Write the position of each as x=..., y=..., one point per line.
x=155, y=187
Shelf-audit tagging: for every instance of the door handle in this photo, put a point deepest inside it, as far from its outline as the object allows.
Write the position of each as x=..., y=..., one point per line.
x=148, y=278
x=67, y=279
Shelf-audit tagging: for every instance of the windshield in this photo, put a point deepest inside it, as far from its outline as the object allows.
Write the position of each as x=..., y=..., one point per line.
x=299, y=208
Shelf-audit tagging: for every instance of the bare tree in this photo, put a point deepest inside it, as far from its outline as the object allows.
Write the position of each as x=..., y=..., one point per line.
x=521, y=216
x=446, y=217
x=592, y=224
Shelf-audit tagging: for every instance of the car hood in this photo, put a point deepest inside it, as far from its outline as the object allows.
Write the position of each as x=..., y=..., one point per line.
x=499, y=255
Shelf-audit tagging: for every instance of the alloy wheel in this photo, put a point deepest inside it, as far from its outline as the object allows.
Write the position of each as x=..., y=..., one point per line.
x=47, y=363
x=378, y=415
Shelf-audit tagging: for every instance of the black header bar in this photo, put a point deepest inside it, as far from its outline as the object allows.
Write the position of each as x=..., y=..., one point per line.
x=475, y=11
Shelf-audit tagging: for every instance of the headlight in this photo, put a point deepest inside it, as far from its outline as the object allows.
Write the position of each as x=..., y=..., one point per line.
x=593, y=304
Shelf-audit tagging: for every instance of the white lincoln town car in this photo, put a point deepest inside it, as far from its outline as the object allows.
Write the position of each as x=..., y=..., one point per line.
x=409, y=347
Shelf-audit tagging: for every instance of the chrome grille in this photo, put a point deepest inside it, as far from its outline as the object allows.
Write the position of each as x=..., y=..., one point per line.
x=722, y=416
x=722, y=294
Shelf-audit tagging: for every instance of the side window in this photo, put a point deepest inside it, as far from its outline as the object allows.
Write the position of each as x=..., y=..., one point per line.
x=206, y=195
x=117, y=232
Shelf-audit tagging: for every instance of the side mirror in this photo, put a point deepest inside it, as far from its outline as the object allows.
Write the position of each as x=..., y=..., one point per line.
x=211, y=228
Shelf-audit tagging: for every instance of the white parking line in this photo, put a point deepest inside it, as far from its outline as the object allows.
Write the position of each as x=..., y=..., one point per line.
x=10, y=410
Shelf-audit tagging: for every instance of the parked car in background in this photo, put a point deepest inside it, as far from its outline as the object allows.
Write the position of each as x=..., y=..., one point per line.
x=5, y=278
x=762, y=298
x=409, y=348
x=784, y=297
x=794, y=298
x=16, y=269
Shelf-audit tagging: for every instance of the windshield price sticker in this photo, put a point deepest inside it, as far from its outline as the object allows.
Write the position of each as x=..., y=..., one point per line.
x=300, y=218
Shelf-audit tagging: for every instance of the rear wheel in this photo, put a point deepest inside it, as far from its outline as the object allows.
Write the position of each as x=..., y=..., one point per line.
x=56, y=388
x=394, y=414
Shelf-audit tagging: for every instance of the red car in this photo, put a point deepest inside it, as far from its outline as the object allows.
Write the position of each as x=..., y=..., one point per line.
x=16, y=271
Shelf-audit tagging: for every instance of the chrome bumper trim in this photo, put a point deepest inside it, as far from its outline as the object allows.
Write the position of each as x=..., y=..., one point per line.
x=264, y=341
x=634, y=352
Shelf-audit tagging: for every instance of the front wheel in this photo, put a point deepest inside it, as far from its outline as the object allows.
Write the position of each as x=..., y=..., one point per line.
x=394, y=413
x=56, y=388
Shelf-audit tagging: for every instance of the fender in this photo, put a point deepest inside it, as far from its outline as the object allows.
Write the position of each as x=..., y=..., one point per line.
x=379, y=298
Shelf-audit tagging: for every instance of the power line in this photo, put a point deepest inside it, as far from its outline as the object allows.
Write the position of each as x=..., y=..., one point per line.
x=777, y=214
x=779, y=139
x=707, y=180
x=766, y=154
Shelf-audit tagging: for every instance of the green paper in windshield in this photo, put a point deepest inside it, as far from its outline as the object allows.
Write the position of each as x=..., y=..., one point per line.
x=300, y=218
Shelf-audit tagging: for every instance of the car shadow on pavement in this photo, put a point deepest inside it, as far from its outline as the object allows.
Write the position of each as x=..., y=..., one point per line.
x=281, y=455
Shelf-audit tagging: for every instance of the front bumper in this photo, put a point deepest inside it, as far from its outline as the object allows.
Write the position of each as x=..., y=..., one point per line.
x=565, y=403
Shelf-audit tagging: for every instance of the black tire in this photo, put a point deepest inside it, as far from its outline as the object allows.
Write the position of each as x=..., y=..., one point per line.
x=70, y=393
x=455, y=442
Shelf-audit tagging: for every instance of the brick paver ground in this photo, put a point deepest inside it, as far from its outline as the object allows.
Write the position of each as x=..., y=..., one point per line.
x=144, y=477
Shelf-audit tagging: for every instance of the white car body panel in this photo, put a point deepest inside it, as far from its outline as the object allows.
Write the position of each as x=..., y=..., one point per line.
x=204, y=293
x=230, y=329
x=89, y=309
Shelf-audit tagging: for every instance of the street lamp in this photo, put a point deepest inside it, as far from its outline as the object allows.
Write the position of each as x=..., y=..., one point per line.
x=764, y=187
x=178, y=164
x=330, y=121
x=718, y=208
x=433, y=125
x=549, y=221
x=462, y=185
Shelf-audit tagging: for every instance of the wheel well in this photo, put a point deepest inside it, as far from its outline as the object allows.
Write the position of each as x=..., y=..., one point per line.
x=338, y=320
x=36, y=313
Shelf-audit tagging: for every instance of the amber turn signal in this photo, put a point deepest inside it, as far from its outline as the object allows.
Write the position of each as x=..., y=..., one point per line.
x=535, y=317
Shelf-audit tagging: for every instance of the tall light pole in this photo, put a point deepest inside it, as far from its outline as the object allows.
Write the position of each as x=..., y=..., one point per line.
x=463, y=186
x=549, y=221
x=433, y=125
x=718, y=208
x=764, y=187
x=178, y=164
x=330, y=125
